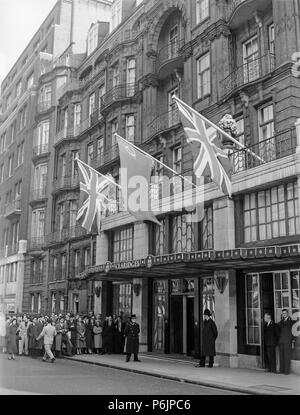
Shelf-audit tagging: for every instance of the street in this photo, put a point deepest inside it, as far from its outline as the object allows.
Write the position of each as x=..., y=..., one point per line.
x=65, y=377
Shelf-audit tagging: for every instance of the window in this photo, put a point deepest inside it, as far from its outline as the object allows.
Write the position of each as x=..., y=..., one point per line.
x=15, y=233
x=90, y=153
x=13, y=131
x=39, y=303
x=271, y=38
x=123, y=244
x=173, y=110
x=101, y=94
x=23, y=116
x=63, y=165
x=62, y=303
x=202, y=10
x=100, y=146
x=209, y=295
x=32, y=302
x=43, y=136
x=267, y=146
x=252, y=310
x=38, y=224
x=76, y=262
x=30, y=81
x=160, y=238
x=130, y=128
x=19, y=89
x=91, y=104
x=114, y=130
x=87, y=257
x=122, y=299
x=62, y=214
x=8, y=101
x=177, y=160
x=271, y=213
x=10, y=165
x=45, y=97
x=1, y=173
x=92, y=40
x=18, y=190
x=116, y=76
x=20, y=154
x=183, y=237
x=53, y=302
x=239, y=158
x=173, y=42
x=131, y=76
x=207, y=233
x=116, y=14
x=75, y=155
x=63, y=266
x=3, y=143
x=40, y=177
x=77, y=117
x=203, y=75
x=73, y=213
x=251, y=63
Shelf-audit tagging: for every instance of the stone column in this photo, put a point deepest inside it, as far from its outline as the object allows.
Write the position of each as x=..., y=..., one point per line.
x=141, y=240
x=102, y=248
x=225, y=302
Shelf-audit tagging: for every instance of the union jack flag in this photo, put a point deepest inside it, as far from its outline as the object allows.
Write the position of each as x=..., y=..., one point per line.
x=97, y=187
x=209, y=158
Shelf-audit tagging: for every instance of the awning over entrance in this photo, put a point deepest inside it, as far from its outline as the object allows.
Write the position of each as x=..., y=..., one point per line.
x=201, y=263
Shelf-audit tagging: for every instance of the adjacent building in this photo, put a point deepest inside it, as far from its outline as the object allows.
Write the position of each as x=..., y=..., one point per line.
x=243, y=259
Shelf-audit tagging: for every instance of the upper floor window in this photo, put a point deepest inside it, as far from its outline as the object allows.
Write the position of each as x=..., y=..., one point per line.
x=90, y=153
x=74, y=166
x=131, y=76
x=92, y=40
x=3, y=143
x=177, y=160
x=13, y=131
x=38, y=223
x=123, y=244
x=10, y=165
x=20, y=154
x=183, y=237
x=250, y=59
x=77, y=115
x=271, y=38
x=91, y=104
x=202, y=10
x=1, y=173
x=203, y=75
x=173, y=42
x=8, y=101
x=116, y=14
x=30, y=81
x=73, y=213
x=130, y=128
x=45, y=96
x=23, y=116
x=114, y=130
x=116, y=76
x=271, y=213
x=43, y=135
x=40, y=176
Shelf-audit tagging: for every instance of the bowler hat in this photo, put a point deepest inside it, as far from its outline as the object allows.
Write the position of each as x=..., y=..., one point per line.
x=133, y=316
x=207, y=312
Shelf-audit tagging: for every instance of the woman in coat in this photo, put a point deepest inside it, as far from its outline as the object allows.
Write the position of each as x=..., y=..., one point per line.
x=97, y=330
x=89, y=335
x=73, y=333
x=31, y=337
x=80, y=339
x=209, y=336
x=39, y=344
x=12, y=337
x=60, y=330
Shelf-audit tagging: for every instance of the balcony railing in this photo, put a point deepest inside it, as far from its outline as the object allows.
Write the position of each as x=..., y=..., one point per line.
x=96, y=117
x=66, y=234
x=119, y=92
x=247, y=73
x=40, y=150
x=281, y=145
x=36, y=243
x=65, y=182
x=44, y=105
x=170, y=51
x=105, y=157
x=62, y=135
x=38, y=194
x=13, y=209
x=163, y=122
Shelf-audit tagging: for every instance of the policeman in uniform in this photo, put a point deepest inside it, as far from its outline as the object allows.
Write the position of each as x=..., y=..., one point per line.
x=132, y=331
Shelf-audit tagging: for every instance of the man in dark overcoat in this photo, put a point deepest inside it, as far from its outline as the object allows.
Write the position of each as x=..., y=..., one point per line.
x=31, y=338
x=131, y=332
x=209, y=336
x=108, y=336
x=285, y=342
x=270, y=340
x=39, y=344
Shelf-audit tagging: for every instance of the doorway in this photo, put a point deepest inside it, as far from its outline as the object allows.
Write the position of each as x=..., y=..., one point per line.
x=182, y=339
x=266, y=306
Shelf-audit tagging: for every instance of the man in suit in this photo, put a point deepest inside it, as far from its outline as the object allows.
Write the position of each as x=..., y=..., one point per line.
x=108, y=335
x=271, y=340
x=285, y=342
x=209, y=336
x=48, y=333
x=119, y=336
x=132, y=331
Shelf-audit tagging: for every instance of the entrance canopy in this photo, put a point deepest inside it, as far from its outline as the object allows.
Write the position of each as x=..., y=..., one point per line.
x=201, y=262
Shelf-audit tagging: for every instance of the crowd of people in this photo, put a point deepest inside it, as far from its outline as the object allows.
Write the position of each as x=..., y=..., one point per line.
x=57, y=335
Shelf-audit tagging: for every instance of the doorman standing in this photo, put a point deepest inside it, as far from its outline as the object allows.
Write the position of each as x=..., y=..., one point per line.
x=132, y=331
x=285, y=342
x=271, y=340
x=209, y=336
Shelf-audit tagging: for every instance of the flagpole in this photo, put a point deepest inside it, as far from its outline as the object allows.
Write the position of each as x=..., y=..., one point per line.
x=157, y=161
x=97, y=172
x=223, y=132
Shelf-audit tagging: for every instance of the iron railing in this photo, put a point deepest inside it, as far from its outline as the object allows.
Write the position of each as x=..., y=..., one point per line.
x=66, y=182
x=96, y=117
x=66, y=234
x=247, y=73
x=170, y=51
x=163, y=122
x=119, y=92
x=281, y=145
x=13, y=208
x=40, y=150
x=105, y=157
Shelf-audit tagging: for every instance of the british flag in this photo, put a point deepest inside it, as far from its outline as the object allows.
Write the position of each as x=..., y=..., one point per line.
x=97, y=187
x=209, y=158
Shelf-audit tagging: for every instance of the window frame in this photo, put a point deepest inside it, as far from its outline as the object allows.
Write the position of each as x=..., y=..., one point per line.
x=201, y=92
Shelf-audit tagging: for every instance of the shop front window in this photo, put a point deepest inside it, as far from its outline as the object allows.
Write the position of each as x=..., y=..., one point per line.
x=208, y=295
x=123, y=299
x=253, y=309
x=160, y=314
x=123, y=244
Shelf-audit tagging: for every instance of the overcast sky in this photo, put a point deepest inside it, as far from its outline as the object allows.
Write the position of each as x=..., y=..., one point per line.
x=19, y=20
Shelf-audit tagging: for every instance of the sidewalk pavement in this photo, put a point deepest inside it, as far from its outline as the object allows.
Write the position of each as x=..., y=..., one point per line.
x=254, y=382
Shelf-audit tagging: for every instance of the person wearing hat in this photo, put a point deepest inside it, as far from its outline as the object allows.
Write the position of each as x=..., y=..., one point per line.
x=209, y=336
x=12, y=335
x=131, y=332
